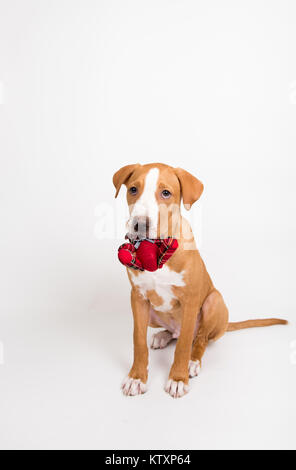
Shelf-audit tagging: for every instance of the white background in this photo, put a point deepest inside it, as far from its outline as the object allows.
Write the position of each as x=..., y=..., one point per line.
x=86, y=87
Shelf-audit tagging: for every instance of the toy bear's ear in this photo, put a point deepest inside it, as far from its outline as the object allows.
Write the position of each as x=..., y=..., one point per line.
x=122, y=175
x=191, y=187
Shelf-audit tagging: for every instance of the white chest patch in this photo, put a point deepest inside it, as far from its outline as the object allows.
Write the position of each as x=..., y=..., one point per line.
x=161, y=281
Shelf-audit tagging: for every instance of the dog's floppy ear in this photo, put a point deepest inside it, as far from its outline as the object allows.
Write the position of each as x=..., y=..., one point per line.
x=122, y=175
x=191, y=187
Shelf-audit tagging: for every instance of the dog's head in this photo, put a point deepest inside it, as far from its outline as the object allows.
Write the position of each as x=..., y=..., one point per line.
x=154, y=193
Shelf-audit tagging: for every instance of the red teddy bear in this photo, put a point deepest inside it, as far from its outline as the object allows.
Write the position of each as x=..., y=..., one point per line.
x=147, y=254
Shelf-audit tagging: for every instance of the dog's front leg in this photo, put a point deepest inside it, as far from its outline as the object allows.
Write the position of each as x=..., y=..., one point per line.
x=177, y=384
x=135, y=383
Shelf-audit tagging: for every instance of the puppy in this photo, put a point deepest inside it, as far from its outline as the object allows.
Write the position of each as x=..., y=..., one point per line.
x=180, y=297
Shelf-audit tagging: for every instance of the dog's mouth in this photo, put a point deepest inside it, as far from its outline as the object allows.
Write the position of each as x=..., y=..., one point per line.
x=133, y=237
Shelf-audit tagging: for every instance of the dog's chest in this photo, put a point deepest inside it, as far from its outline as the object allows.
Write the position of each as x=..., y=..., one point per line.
x=157, y=286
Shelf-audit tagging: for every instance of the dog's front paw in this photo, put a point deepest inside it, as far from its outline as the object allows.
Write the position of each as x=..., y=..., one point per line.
x=193, y=368
x=132, y=387
x=176, y=389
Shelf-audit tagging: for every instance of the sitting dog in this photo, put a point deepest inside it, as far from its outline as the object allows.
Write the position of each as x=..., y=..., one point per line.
x=180, y=297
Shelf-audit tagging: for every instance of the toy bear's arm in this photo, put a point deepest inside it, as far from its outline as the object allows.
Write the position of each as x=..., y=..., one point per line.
x=127, y=255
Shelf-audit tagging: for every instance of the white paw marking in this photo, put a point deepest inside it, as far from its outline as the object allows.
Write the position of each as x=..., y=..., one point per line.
x=194, y=368
x=133, y=387
x=176, y=389
x=161, y=339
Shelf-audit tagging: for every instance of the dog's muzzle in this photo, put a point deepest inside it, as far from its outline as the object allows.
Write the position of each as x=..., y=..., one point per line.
x=139, y=228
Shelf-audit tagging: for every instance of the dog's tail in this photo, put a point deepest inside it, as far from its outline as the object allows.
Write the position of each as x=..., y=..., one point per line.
x=240, y=325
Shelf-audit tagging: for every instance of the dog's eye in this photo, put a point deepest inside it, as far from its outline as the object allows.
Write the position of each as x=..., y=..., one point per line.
x=133, y=190
x=166, y=194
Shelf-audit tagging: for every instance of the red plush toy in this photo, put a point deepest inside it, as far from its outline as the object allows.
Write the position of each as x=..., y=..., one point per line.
x=147, y=254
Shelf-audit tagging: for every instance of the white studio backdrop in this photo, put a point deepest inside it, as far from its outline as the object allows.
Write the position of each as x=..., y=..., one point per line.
x=89, y=86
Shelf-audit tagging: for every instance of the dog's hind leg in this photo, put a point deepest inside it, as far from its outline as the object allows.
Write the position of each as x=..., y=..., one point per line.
x=161, y=339
x=213, y=324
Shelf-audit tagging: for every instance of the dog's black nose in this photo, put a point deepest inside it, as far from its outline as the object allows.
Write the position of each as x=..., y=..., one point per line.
x=141, y=226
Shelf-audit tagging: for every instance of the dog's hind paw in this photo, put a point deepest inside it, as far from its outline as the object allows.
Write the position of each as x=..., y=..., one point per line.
x=161, y=339
x=193, y=368
x=132, y=387
x=176, y=389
